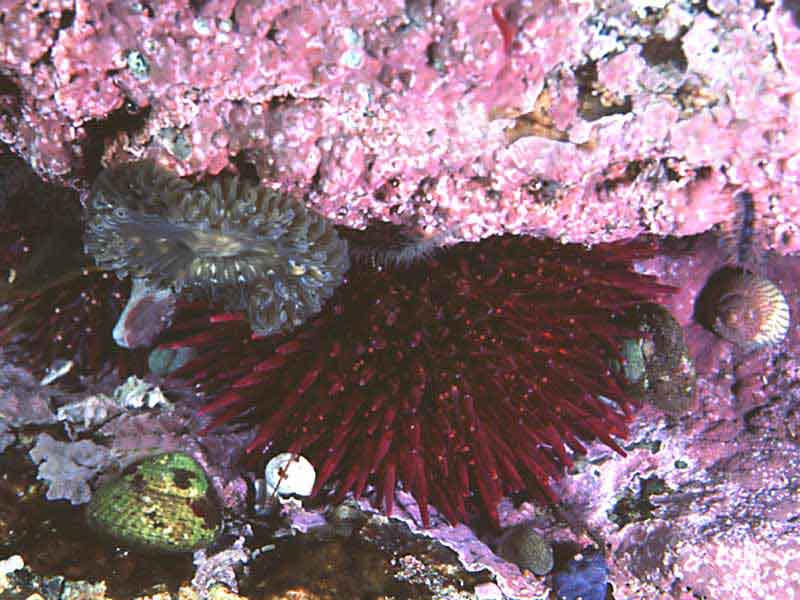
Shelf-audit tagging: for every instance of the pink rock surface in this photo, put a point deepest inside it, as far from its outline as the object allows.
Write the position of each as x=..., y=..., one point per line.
x=725, y=524
x=574, y=120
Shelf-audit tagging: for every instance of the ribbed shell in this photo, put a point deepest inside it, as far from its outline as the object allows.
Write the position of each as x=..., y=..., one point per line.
x=252, y=248
x=750, y=311
x=163, y=503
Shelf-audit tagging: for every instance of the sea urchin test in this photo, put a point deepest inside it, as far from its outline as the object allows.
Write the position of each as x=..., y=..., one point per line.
x=232, y=241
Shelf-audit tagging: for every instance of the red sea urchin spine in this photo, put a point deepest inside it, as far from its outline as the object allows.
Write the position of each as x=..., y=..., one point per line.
x=53, y=305
x=464, y=377
x=70, y=319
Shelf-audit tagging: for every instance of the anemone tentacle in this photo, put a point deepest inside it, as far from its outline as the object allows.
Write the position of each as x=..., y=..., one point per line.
x=230, y=240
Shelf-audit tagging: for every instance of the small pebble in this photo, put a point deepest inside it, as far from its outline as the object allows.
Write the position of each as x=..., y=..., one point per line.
x=524, y=547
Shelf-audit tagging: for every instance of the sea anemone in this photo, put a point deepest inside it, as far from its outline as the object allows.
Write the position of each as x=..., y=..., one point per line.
x=250, y=247
x=743, y=308
x=465, y=376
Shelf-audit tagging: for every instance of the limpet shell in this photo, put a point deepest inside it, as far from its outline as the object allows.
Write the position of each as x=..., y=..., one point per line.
x=164, y=503
x=744, y=308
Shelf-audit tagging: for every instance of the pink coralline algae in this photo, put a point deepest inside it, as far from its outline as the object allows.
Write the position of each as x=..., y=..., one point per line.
x=720, y=517
x=578, y=121
x=466, y=376
x=575, y=120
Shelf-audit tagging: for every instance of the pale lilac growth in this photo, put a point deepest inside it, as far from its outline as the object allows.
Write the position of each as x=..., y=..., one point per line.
x=24, y=401
x=68, y=467
x=219, y=568
x=576, y=120
x=91, y=412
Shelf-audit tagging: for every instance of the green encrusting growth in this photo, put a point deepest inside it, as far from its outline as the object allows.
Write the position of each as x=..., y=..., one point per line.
x=164, y=503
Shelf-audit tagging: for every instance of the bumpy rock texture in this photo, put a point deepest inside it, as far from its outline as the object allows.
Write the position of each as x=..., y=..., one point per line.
x=582, y=120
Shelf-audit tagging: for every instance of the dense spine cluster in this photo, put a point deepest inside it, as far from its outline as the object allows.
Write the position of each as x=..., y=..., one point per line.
x=464, y=376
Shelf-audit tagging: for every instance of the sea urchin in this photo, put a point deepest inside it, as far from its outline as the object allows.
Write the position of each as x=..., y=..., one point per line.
x=55, y=308
x=464, y=376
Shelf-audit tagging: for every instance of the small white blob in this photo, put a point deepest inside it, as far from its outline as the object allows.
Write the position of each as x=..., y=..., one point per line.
x=58, y=369
x=287, y=474
x=148, y=312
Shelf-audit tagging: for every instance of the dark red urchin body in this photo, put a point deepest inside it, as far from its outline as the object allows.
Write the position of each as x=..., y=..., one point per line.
x=55, y=304
x=465, y=376
x=70, y=318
